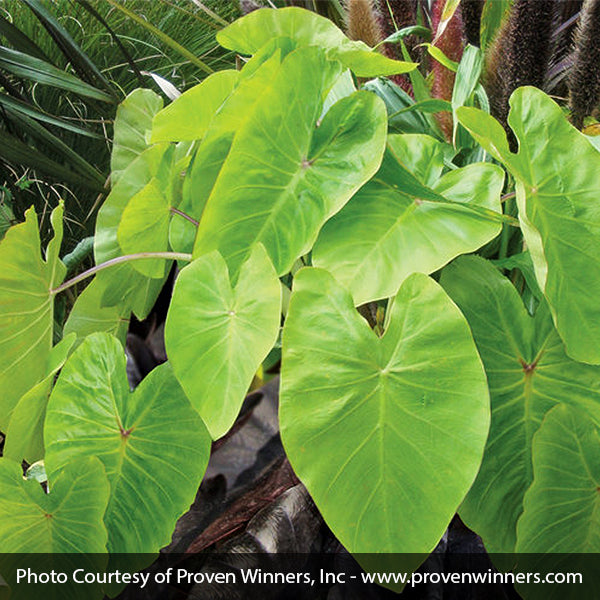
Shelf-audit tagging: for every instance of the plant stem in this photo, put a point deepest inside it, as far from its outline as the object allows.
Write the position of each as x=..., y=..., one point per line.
x=504, y=239
x=117, y=261
x=176, y=211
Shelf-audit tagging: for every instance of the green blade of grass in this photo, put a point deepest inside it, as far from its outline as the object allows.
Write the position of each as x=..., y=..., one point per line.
x=16, y=152
x=166, y=39
x=13, y=105
x=87, y=6
x=39, y=71
x=20, y=41
x=82, y=64
x=41, y=134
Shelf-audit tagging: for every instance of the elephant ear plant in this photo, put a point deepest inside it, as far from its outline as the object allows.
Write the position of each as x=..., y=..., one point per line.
x=467, y=391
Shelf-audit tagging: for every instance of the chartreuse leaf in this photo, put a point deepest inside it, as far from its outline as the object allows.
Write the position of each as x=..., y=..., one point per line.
x=559, y=528
x=278, y=189
x=191, y=115
x=388, y=231
x=144, y=226
x=528, y=373
x=386, y=433
x=188, y=117
x=132, y=125
x=7, y=217
x=89, y=316
x=68, y=519
x=218, y=108
x=63, y=528
x=24, y=436
x=27, y=307
x=217, y=334
x=145, y=221
x=124, y=285
x=153, y=445
x=256, y=78
x=556, y=173
x=561, y=506
x=248, y=34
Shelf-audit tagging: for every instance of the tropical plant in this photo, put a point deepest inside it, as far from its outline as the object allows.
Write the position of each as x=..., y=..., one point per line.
x=471, y=387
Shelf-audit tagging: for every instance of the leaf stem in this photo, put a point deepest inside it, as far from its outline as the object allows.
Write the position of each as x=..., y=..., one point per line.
x=504, y=239
x=117, y=261
x=187, y=217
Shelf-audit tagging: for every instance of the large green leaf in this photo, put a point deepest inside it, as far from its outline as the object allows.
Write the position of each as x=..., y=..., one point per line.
x=124, y=285
x=225, y=96
x=145, y=221
x=561, y=506
x=132, y=126
x=528, y=373
x=248, y=34
x=153, y=444
x=556, y=172
x=89, y=316
x=27, y=307
x=256, y=78
x=68, y=519
x=144, y=226
x=386, y=433
x=388, y=231
x=188, y=117
x=217, y=335
x=281, y=182
x=212, y=113
x=24, y=436
x=559, y=528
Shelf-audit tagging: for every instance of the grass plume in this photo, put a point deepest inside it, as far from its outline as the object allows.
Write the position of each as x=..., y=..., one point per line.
x=584, y=80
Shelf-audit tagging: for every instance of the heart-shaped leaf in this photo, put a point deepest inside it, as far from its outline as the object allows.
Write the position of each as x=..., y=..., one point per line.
x=27, y=307
x=279, y=189
x=89, y=316
x=388, y=231
x=24, y=436
x=188, y=117
x=132, y=124
x=559, y=531
x=250, y=33
x=561, y=506
x=386, y=433
x=528, y=373
x=144, y=227
x=255, y=79
x=124, y=285
x=218, y=335
x=153, y=444
x=556, y=173
x=68, y=519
